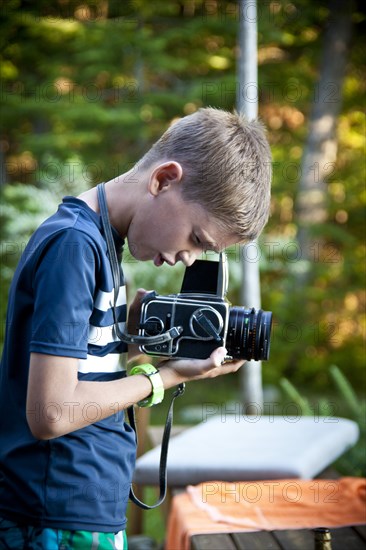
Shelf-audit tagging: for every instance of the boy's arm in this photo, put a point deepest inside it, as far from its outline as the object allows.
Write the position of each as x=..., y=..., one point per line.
x=58, y=403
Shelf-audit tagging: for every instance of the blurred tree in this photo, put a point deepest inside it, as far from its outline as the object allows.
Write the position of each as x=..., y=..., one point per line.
x=320, y=152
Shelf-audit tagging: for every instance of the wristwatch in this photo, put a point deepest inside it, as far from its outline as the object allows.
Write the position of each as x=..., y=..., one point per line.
x=153, y=375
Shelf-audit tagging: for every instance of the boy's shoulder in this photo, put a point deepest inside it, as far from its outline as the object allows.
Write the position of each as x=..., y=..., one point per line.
x=72, y=213
x=73, y=216
x=73, y=228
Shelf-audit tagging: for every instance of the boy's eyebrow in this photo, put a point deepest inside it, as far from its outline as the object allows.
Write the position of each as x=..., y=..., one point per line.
x=213, y=244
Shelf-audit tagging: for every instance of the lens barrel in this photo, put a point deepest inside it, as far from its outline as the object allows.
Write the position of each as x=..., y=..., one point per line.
x=249, y=333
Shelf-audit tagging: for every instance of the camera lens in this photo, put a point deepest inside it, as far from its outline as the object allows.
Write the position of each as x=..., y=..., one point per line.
x=249, y=333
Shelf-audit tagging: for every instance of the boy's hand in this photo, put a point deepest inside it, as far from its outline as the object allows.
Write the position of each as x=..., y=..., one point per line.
x=135, y=311
x=175, y=372
x=134, y=320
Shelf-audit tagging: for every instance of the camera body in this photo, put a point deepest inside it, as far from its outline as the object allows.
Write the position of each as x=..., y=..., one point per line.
x=160, y=313
x=204, y=318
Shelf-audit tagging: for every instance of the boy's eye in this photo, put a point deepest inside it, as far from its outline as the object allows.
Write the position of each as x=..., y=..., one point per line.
x=200, y=243
x=205, y=245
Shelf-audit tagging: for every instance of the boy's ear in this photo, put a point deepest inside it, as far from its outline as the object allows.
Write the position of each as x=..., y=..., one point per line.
x=164, y=176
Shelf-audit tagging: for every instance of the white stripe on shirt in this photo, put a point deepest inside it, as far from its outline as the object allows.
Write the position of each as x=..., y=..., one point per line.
x=104, y=300
x=101, y=336
x=109, y=363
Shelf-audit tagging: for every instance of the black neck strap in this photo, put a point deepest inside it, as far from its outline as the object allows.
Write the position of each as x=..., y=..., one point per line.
x=116, y=274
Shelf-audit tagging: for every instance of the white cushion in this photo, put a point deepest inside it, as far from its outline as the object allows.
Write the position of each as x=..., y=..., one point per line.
x=239, y=448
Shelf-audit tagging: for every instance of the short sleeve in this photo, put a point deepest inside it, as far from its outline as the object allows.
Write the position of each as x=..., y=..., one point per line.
x=64, y=285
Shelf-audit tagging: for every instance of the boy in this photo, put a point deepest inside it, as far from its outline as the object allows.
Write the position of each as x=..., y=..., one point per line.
x=67, y=457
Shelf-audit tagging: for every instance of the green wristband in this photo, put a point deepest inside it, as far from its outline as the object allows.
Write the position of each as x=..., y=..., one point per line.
x=153, y=375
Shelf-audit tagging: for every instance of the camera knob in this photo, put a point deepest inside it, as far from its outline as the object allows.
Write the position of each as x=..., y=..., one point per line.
x=153, y=326
x=203, y=323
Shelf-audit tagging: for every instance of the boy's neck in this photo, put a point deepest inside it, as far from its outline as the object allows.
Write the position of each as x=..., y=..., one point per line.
x=120, y=195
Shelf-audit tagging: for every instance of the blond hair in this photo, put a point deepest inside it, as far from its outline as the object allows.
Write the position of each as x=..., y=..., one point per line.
x=226, y=163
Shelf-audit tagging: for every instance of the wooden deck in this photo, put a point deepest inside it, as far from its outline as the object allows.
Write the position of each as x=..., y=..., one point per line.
x=350, y=538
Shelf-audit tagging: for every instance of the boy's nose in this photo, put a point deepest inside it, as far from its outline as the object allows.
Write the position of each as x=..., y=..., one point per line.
x=187, y=258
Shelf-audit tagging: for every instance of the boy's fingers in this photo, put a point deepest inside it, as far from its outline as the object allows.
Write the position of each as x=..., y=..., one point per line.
x=140, y=293
x=218, y=356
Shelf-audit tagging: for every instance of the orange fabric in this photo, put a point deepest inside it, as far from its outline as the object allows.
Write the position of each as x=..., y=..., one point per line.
x=222, y=507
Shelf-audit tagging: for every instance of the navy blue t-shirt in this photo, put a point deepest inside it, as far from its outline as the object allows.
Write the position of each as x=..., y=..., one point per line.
x=60, y=304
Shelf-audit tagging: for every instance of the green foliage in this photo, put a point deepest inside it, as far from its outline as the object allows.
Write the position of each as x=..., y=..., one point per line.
x=295, y=396
x=346, y=403
x=347, y=392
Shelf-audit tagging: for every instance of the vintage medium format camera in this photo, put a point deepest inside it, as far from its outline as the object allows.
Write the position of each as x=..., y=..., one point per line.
x=200, y=319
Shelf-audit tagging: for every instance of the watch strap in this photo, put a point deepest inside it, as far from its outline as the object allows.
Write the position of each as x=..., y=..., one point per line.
x=153, y=375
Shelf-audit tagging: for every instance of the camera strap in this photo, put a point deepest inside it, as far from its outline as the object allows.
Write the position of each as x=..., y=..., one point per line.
x=131, y=339
x=163, y=480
